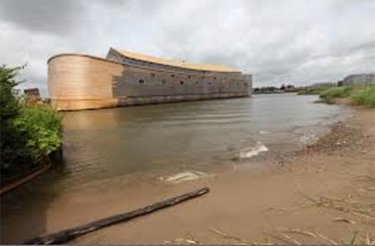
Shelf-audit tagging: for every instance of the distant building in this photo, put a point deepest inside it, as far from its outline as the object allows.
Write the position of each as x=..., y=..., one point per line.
x=32, y=92
x=358, y=79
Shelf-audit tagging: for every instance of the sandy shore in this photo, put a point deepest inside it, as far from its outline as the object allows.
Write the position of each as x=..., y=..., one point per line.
x=324, y=193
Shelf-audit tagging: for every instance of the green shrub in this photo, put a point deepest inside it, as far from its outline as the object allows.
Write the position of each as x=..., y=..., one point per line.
x=11, y=141
x=27, y=133
x=41, y=126
x=9, y=104
x=364, y=96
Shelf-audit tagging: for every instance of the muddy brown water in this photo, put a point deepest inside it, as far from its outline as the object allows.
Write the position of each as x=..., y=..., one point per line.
x=160, y=142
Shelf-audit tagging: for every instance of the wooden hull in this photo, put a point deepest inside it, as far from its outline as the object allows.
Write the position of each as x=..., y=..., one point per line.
x=79, y=82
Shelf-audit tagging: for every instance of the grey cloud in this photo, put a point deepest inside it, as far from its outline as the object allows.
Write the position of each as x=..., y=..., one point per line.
x=42, y=15
x=274, y=39
x=279, y=41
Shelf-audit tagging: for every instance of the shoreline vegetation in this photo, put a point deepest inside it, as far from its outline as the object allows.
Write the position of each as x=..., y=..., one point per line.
x=358, y=95
x=31, y=133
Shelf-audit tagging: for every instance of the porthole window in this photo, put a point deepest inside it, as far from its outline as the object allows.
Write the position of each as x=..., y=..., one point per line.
x=181, y=82
x=172, y=75
x=141, y=81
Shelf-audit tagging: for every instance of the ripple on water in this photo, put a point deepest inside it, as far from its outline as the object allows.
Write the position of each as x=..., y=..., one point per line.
x=141, y=140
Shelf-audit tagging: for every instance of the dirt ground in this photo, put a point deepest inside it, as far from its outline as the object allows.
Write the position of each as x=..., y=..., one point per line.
x=324, y=194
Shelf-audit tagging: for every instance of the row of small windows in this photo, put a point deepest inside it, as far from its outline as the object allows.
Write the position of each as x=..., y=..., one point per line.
x=189, y=76
x=141, y=81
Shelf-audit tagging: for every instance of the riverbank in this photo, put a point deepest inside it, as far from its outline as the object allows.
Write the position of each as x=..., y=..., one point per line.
x=247, y=202
x=356, y=95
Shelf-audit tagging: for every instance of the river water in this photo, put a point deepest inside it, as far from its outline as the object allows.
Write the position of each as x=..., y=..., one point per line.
x=197, y=136
x=167, y=142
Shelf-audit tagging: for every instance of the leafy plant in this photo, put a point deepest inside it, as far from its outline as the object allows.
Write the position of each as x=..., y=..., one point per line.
x=9, y=104
x=41, y=126
x=10, y=139
x=28, y=133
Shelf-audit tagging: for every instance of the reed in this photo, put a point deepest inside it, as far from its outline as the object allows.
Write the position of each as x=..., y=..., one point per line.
x=364, y=96
x=359, y=95
x=336, y=92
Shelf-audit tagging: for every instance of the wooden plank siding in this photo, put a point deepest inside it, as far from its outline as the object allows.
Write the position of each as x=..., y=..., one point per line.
x=84, y=82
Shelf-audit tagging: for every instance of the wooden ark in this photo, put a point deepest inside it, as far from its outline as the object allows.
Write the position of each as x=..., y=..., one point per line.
x=123, y=78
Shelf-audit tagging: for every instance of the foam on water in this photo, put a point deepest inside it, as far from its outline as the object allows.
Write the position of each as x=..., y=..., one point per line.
x=263, y=132
x=253, y=151
x=183, y=177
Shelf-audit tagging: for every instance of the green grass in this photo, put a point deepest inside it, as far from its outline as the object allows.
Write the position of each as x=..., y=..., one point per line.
x=315, y=91
x=364, y=96
x=336, y=92
x=359, y=95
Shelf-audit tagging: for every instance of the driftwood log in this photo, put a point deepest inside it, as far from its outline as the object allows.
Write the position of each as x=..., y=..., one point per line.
x=72, y=233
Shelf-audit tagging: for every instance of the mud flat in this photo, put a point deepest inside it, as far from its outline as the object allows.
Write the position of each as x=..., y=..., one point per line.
x=323, y=194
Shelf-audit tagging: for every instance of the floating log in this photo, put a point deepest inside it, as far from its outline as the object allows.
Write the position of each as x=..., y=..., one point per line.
x=72, y=233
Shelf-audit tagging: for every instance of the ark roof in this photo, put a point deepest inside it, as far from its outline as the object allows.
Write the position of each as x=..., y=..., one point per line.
x=178, y=63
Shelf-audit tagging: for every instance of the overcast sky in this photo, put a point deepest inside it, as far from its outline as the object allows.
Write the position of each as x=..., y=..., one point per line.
x=279, y=41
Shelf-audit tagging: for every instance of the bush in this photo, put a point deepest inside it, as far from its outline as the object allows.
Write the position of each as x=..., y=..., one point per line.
x=41, y=126
x=28, y=133
x=10, y=138
x=9, y=105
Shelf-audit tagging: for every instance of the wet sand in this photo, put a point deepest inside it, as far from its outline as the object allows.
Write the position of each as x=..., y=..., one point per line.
x=247, y=201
